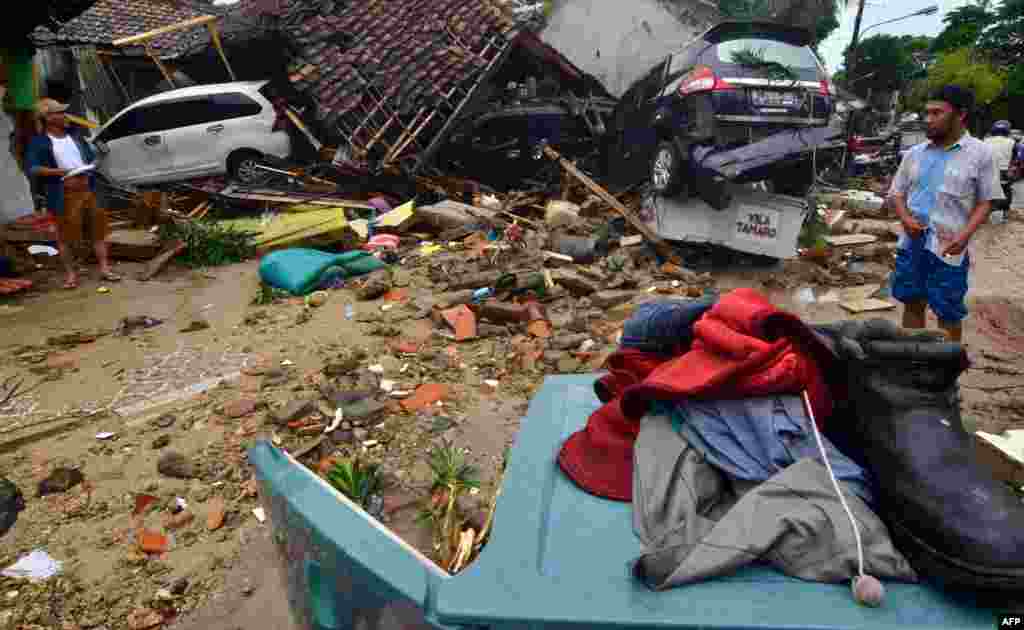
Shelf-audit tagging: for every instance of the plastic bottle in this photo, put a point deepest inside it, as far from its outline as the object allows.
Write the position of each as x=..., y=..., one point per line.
x=350, y=311
x=482, y=294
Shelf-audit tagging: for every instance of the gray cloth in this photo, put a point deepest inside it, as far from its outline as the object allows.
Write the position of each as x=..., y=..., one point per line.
x=696, y=524
x=16, y=201
x=754, y=438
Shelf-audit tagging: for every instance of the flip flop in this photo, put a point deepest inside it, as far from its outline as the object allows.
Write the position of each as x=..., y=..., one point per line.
x=110, y=276
x=70, y=284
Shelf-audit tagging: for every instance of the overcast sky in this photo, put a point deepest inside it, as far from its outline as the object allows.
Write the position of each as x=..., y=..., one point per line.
x=876, y=11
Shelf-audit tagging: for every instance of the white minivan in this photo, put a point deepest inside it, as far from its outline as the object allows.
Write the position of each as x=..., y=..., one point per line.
x=192, y=132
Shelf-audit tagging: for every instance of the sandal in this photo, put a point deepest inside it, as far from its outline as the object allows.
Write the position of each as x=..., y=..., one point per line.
x=110, y=276
x=71, y=284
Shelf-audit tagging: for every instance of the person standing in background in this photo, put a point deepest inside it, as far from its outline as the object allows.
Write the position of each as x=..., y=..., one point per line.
x=1003, y=149
x=942, y=193
x=51, y=156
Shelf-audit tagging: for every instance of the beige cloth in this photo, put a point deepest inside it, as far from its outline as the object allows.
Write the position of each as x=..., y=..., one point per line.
x=695, y=524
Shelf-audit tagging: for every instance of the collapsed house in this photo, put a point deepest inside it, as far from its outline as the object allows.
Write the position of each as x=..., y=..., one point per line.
x=390, y=82
x=85, y=61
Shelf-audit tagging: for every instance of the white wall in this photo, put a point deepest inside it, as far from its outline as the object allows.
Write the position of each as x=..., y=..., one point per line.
x=617, y=41
x=16, y=200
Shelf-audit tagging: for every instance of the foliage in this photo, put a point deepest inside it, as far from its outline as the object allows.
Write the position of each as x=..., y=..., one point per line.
x=209, y=243
x=995, y=29
x=964, y=26
x=821, y=14
x=356, y=480
x=454, y=539
x=967, y=68
x=886, y=63
x=267, y=294
x=451, y=470
x=756, y=60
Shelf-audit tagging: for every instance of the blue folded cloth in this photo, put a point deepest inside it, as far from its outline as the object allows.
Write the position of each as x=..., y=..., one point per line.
x=754, y=438
x=664, y=326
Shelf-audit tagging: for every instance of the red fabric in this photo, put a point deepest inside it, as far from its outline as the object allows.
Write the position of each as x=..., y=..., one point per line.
x=625, y=367
x=744, y=346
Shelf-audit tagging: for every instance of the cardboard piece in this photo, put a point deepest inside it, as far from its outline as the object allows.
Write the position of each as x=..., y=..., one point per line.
x=866, y=305
x=850, y=239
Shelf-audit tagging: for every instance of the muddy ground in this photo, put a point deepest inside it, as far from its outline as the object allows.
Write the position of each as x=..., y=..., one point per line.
x=254, y=359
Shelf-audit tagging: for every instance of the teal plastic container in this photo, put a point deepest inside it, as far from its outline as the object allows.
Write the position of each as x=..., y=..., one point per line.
x=558, y=558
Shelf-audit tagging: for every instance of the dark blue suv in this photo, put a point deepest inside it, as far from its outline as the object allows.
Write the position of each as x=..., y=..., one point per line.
x=742, y=102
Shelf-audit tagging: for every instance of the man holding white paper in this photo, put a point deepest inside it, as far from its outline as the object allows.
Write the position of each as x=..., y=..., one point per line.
x=63, y=162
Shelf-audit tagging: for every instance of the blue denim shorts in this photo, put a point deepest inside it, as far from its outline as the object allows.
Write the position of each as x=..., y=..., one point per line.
x=922, y=276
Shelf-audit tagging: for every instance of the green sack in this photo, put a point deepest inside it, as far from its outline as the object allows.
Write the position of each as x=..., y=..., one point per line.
x=299, y=270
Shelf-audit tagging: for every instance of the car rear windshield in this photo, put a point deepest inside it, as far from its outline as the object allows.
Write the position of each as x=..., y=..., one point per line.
x=737, y=51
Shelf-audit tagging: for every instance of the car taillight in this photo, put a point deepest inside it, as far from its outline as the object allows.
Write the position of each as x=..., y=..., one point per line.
x=826, y=88
x=702, y=79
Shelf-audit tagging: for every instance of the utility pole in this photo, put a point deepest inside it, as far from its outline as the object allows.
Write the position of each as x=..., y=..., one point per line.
x=851, y=66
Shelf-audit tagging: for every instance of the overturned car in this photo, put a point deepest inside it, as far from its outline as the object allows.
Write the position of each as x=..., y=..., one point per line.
x=744, y=102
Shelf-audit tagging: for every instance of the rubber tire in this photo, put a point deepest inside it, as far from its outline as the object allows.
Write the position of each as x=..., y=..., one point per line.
x=237, y=158
x=676, y=177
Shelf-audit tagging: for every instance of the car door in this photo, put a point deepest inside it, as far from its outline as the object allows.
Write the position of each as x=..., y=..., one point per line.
x=237, y=122
x=195, y=138
x=135, y=148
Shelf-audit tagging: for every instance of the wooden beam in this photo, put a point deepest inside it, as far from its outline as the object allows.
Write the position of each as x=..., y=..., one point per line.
x=161, y=66
x=215, y=38
x=163, y=30
x=81, y=122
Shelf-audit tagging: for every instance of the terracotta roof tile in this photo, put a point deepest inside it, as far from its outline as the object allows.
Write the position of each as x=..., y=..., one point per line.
x=110, y=20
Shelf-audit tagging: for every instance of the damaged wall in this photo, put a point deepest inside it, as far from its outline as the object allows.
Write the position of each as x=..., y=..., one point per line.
x=617, y=42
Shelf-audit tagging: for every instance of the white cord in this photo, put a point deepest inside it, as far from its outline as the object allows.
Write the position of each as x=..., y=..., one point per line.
x=835, y=484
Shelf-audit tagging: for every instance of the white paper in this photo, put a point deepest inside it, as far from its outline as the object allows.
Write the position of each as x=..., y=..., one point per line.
x=36, y=566
x=81, y=170
x=260, y=514
x=42, y=249
x=339, y=415
x=106, y=435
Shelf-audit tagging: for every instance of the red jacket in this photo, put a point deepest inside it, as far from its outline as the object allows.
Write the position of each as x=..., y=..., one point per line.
x=744, y=346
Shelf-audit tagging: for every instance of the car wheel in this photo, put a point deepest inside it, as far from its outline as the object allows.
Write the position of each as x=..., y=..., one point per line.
x=667, y=170
x=242, y=165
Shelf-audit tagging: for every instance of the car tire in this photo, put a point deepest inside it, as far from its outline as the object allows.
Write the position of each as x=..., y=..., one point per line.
x=241, y=166
x=667, y=176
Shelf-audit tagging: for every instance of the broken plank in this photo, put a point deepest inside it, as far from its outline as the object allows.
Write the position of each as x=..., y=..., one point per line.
x=316, y=201
x=866, y=305
x=850, y=239
x=157, y=264
x=134, y=244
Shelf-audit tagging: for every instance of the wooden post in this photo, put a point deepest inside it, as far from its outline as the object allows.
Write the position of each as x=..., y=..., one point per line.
x=160, y=64
x=215, y=37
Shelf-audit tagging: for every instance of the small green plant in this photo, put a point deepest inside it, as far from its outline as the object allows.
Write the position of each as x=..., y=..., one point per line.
x=357, y=480
x=453, y=477
x=209, y=243
x=267, y=294
x=451, y=470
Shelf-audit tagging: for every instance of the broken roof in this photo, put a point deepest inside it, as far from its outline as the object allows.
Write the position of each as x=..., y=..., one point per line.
x=389, y=75
x=109, y=20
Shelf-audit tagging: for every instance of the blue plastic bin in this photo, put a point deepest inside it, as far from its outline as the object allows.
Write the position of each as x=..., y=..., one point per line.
x=557, y=558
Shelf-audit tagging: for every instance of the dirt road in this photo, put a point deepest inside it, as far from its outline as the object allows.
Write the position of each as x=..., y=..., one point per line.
x=271, y=355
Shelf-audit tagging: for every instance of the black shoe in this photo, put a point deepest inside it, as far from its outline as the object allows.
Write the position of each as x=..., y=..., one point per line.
x=956, y=524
